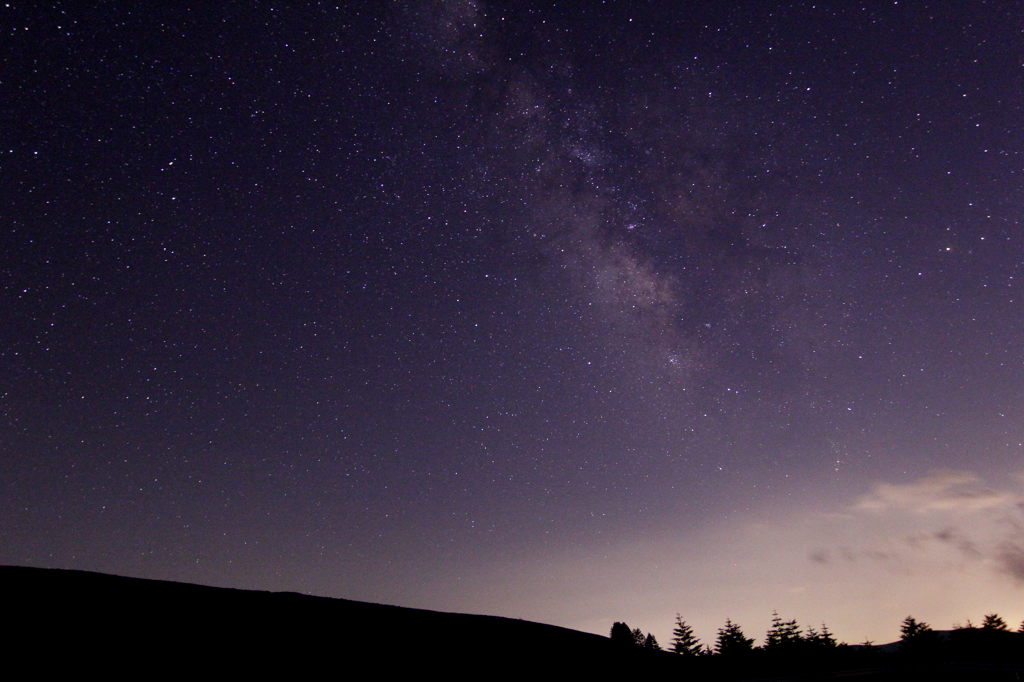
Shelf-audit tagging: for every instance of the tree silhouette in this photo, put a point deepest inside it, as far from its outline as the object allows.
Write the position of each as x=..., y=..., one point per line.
x=732, y=641
x=783, y=635
x=683, y=641
x=638, y=637
x=993, y=622
x=650, y=643
x=910, y=628
x=917, y=638
x=621, y=635
x=823, y=638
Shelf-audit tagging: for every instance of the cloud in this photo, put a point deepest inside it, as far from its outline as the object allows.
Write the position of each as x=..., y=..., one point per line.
x=940, y=491
x=1011, y=560
x=947, y=518
x=953, y=537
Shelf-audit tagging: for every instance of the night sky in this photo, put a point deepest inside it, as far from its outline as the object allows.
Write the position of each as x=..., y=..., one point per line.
x=574, y=312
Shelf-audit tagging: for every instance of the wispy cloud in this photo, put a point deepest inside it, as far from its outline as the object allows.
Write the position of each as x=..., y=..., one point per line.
x=940, y=491
x=943, y=511
x=1011, y=560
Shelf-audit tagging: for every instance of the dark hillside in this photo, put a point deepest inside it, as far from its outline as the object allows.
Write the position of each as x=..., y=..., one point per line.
x=79, y=620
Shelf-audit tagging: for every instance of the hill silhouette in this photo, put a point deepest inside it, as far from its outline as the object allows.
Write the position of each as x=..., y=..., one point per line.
x=81, y=620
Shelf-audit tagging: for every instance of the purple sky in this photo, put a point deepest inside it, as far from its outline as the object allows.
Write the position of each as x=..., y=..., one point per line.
x=570, y=313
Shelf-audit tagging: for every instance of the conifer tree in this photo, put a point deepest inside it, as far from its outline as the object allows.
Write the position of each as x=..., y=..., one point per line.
x=825, y=637
x=683, y=640
x=638, y=637
x=910, y=628
x=993, y=622
x=621, y=635
x=783, y=634
x=822, y=638
x=917, y=638
x=732, y=641
x=651, y=643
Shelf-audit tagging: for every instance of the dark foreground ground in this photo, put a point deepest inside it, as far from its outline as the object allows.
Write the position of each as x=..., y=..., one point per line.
x=73, y=622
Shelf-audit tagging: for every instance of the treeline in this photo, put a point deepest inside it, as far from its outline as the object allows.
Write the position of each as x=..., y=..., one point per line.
x=791, y=649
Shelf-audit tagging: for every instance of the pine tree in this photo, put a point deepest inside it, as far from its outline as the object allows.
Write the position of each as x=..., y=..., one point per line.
x=910, y=628
x=993, y=622
x=825, y=637
x=822, y=638
x=621, y=635
x=650, y=643
x=732, y=641
x=683, y=641
x=783, y=634
x=773, y=632
x=917, y=638
x=638, y=637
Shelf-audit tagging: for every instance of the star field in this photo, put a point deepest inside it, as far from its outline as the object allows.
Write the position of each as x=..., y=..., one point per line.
x=441, y=303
